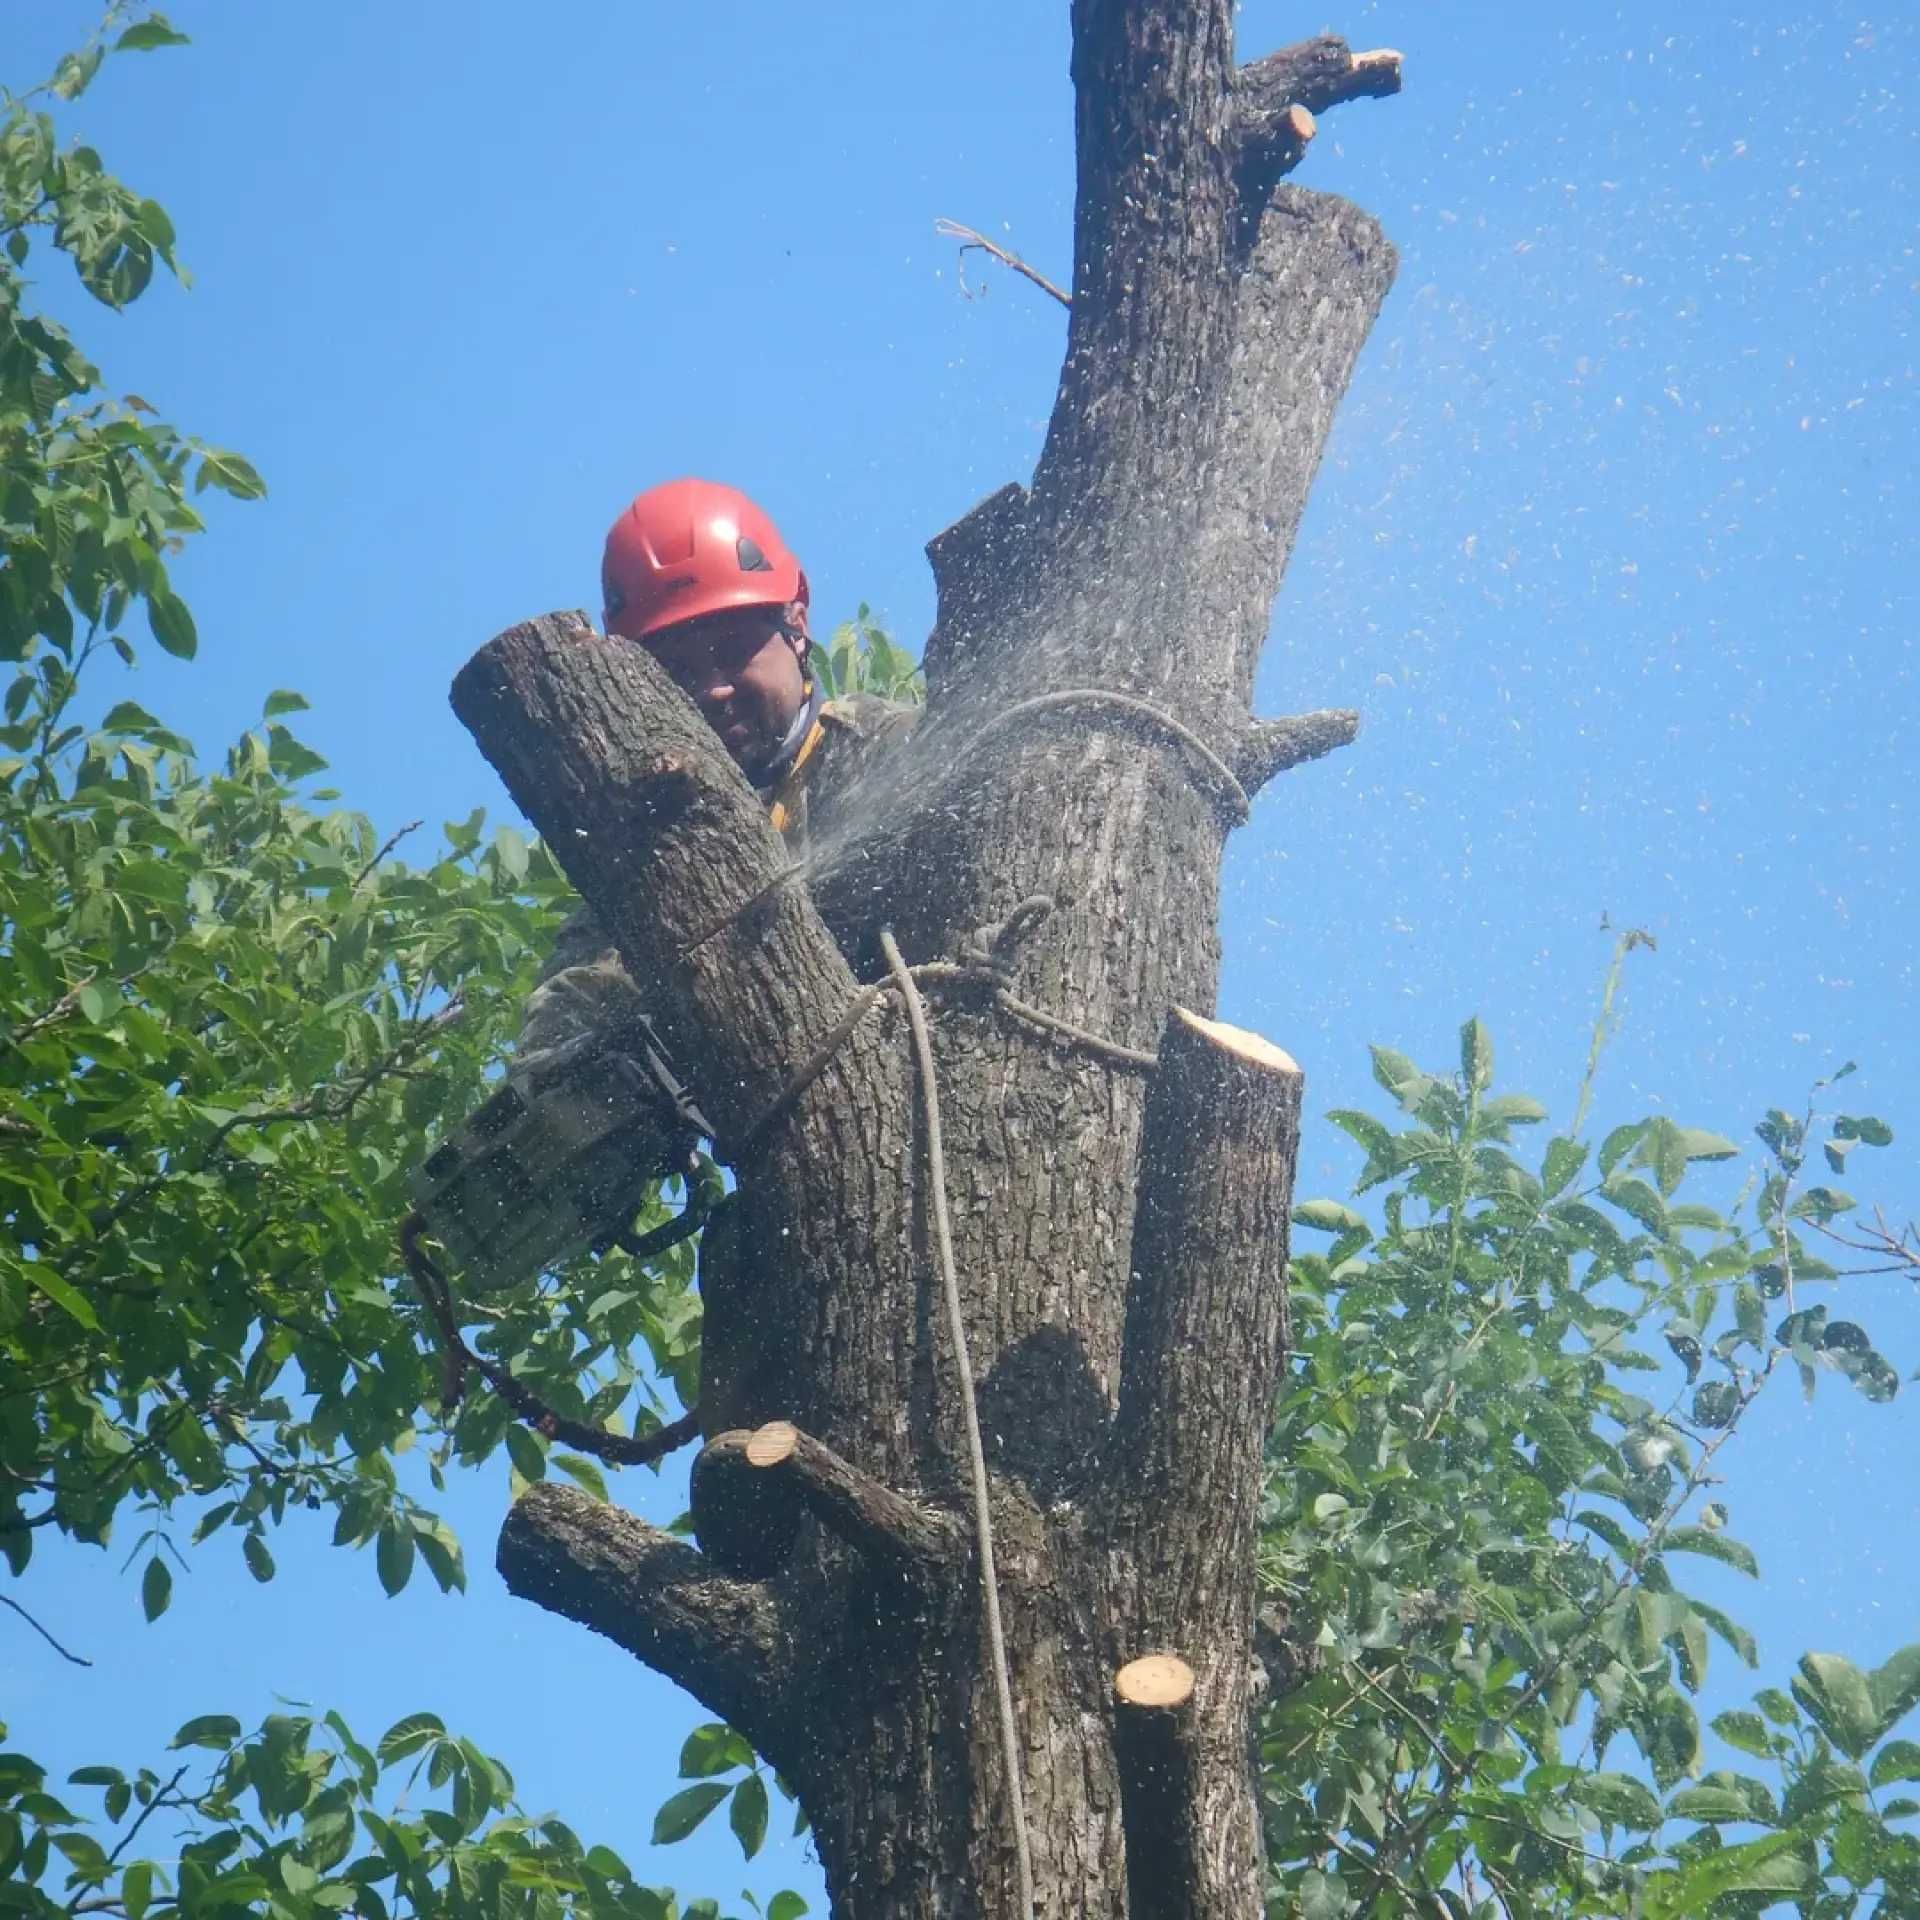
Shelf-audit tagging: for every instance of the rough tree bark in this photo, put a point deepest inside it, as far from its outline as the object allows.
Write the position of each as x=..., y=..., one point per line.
x=1121, y=1229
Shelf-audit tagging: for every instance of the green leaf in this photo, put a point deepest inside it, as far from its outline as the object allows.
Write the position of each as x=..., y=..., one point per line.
x=129, y=716
x=679, y=1815
x=1476, y=1056
x=1327, y=1216
x=230, y=474
x=1835, y=1692
x=1698, y=1145
x=1399, y=1076
x=1897, y=1760
x=75, y=71
x=172, y=624
x=713, y=1748
x=786, y=1905
x=136, y=1889
x=145, y=35
x=253, y=1549
x=1712, y=1546
x=215, y=1730
x=1744, y=1730
x=1635, y=1197
x=1564, y=1160
x=1821, y=1204
x=439, y=1547
x=1724, y=1797
x=394, y=1555
x=583, y=1472
x=748, y=1814
x=1772, y=1865
x=1513, y=1110
x=283, y=700
x=1731, y=1631
x=1561, y=1454
x=1863, y=1128
x=63, y=1294
x=156, y=1588
x=1619, y=1143
x=1321, y=1896
x=1618, y=1798
x=407, y=1736
x=528, y=1453
x=1894, y=1688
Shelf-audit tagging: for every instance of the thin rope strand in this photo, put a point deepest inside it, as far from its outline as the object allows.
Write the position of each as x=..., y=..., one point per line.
x=1229, y=790
x=963, y=1369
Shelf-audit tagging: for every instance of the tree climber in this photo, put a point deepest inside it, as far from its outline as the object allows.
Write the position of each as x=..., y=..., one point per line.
x=592, y=1111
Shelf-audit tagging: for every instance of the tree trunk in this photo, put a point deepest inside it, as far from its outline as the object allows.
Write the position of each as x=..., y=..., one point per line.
x=1120, y=1225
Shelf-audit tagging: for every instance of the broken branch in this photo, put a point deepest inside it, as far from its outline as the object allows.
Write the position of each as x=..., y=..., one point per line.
x=1272, y=746
x=971, y=237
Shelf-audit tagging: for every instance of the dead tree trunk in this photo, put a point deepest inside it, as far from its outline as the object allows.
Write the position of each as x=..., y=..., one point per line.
x=1121, y=1227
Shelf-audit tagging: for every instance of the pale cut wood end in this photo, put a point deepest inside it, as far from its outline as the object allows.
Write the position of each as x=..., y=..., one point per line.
x=1376, y=57
x=772, y=1443
x=1154, y=1680
x=1239, y=1040
x=1302, y=123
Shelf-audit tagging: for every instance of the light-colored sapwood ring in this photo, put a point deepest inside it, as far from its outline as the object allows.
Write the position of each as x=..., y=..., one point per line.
x=1154, y=1680
x=771, y=1444
x=1300, y=123
x=1243, y=1041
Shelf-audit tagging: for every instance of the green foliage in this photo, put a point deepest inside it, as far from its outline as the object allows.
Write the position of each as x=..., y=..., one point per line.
x=1487, y=1476
x=230, y=1022
x=301, y=1820
x=862, y=658
x=711, y=1750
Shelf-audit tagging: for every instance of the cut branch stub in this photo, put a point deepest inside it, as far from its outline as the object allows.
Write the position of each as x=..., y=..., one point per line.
x=1155, y=1681
x=770, y=1445
x=1205, y=1339
x=1206, y=1318
x=1162, y=1764
x=750, y=1489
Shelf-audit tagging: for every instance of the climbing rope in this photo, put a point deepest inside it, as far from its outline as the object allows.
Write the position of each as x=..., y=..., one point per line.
x=963, y=1370
x=1227, y=792
x=1230, y=795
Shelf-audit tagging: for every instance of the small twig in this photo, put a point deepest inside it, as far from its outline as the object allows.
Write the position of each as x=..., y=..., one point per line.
x=77, y=1660
x=970, y=237
x=392, y=842
x=58, y=1011
x=1407, y=1713
x=160, y=1799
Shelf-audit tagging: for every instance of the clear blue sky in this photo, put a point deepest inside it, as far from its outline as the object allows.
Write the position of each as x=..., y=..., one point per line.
x=1614, y=546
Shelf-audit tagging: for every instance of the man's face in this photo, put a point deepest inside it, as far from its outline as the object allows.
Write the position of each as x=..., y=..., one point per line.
x=743, y=671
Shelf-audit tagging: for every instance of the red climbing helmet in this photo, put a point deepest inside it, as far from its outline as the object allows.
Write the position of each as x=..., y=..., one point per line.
x=692, y=547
